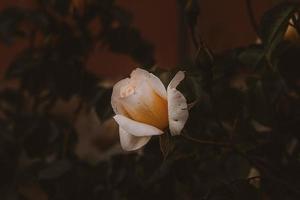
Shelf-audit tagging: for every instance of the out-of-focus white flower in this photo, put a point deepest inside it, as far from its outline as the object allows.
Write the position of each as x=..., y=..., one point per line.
x=144, y=108
x=254, y=177
x=260, y=127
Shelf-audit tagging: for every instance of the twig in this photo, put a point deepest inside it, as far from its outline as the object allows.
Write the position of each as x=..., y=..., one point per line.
x=251, y=16
x=194, y=38
x=208, y=142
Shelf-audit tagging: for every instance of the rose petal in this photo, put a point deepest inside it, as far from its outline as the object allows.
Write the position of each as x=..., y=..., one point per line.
x=153, y=80
x=130, y=142
x=177, y=105
x=117, y=107
x=136, y=128
x=179, y=76
x=158, y=86
x=146, y=106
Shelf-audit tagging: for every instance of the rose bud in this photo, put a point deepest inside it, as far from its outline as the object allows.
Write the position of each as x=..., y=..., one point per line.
x=144, y=108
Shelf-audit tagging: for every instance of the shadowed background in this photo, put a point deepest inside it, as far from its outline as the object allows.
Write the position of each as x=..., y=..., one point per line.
x=58, y=138
x=223, y=25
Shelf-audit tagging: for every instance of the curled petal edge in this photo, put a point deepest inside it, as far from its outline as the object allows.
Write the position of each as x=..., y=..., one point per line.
x=130, y=142
x=177, y=105
x=135, y=128
x=154, y=81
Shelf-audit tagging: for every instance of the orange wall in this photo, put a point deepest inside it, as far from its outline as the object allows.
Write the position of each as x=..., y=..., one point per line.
x=225, y=24
x=158, y=23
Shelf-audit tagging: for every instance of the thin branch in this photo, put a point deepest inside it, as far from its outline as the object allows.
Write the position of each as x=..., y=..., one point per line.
x=251, y=16
x=207, y=142
x=194, y=38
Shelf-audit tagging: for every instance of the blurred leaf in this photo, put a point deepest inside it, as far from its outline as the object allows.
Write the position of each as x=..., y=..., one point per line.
x=288, y=66
x=274, y=24
x=9, y=22
x=60, y=6
x=237, y=162
x=258, y=105
x=253, y=57
x=9, y=152
x=102, y=103
x=127, y=40
x=55, y=170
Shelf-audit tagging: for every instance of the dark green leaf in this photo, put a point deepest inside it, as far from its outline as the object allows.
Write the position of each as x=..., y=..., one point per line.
x=274, y=24
x=55, y=170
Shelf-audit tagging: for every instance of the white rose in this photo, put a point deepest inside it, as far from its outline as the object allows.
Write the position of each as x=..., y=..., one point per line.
x=145, y=108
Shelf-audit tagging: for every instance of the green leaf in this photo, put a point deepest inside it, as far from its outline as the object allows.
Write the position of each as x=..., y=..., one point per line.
x=55, y=170
x=101, y=102
x=10, y=18
x=274, y=24
x=252, y=57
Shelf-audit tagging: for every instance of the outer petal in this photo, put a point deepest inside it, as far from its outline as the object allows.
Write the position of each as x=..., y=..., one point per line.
x=130, y=142
x=117, y=107
x=158, y=86
x=154, y=81
x=177, y=105
x=135, y=128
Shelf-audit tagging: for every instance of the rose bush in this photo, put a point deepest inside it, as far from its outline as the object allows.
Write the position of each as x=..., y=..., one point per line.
x=144, y=108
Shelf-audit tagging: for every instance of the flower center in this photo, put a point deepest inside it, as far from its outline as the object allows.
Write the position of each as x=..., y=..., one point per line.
x=126, y=91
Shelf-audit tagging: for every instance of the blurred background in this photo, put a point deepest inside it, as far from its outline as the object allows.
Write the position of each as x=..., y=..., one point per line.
x=222, y=24
x=59, y=60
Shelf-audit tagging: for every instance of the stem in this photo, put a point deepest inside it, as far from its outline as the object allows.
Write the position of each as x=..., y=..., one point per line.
x=208, y=142
x=194, y=38
x=251, y=16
